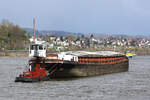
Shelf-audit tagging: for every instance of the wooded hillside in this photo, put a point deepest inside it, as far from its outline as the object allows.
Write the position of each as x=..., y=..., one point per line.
x=12, y=37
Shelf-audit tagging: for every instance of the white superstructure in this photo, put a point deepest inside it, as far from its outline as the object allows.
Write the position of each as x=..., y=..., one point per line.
x=67, y=57
x=38, y=49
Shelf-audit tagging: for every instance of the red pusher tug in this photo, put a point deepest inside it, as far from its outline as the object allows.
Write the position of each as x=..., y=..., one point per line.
x=36, y=69
x=35, y=72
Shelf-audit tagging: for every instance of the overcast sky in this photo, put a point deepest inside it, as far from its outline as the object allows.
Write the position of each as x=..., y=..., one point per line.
x=87, y=16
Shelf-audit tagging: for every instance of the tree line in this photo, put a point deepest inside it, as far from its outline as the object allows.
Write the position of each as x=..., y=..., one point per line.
x=12, y=37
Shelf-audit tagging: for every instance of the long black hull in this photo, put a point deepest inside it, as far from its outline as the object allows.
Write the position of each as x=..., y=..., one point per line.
x=83, y=70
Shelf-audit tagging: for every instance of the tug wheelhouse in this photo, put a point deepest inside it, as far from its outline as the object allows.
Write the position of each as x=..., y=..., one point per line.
x=37, y=50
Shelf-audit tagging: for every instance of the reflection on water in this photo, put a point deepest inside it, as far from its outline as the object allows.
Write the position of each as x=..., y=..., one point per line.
x=131, y=85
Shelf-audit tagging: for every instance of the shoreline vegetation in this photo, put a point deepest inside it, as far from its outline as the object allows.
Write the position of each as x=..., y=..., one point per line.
x=12, y=37
x=25, y=53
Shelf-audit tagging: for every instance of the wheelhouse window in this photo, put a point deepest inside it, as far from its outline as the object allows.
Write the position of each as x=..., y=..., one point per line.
x=37, y=47
x=34, y=47
x=40, y=47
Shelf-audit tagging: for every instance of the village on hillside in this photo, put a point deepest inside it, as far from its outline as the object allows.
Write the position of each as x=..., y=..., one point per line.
x=112, y=42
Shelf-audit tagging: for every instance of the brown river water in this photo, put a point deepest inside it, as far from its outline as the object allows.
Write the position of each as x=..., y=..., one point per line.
x=131, y=85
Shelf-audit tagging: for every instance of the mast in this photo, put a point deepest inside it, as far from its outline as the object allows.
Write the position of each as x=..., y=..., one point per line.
x=34, y=30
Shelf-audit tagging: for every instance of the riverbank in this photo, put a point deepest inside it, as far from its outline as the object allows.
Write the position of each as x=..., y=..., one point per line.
x=25, y=53
x=14, y=53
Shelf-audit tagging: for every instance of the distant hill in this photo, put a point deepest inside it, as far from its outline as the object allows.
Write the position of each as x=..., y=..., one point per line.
x=64, y=33
x=49, y=32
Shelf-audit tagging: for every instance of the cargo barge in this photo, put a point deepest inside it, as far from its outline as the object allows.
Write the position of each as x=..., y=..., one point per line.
x=43, y=66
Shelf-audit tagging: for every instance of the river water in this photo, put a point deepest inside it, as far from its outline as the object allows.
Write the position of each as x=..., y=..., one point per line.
x=131, y=85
